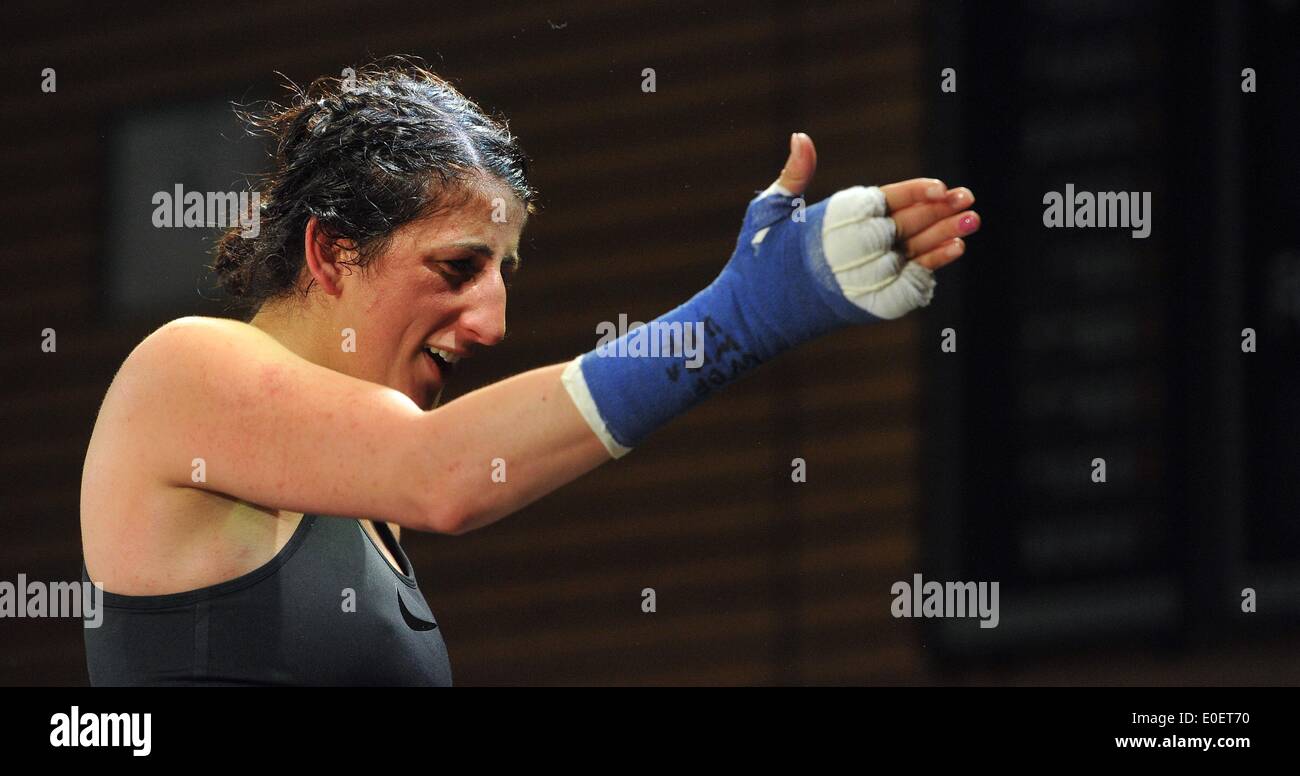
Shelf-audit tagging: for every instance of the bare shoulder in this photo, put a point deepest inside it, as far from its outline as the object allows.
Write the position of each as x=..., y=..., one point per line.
x=194, y=339
x=157, y=383
x=167, y=365
x=201, y=327
x=220, y=406
x=148, y=524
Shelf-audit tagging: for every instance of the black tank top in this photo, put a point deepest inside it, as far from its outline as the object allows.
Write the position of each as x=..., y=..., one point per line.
x=328, y=609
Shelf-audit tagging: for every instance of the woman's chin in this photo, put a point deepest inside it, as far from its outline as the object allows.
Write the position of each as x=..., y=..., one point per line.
x=423, y=391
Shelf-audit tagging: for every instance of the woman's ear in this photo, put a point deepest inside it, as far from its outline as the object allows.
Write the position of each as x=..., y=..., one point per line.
x=325, y=256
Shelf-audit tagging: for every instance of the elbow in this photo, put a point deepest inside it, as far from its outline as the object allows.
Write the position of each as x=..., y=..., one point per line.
x=426, y=503
x=436, y=494
x=443, y=516
x=450, y=523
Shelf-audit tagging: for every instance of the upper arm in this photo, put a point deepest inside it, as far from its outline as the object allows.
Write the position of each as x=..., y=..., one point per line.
x=224, y=400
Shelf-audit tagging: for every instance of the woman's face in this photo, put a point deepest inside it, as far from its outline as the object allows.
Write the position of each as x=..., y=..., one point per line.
x=440, y=284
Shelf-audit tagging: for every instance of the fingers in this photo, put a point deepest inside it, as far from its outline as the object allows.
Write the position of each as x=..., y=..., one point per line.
x=959, y=225
x=915, y=191
x=800, y=165
x=946, y=253
x=913, y=220
x=931, y=220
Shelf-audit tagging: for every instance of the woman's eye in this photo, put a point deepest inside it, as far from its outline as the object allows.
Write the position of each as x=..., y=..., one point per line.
x=462, y=266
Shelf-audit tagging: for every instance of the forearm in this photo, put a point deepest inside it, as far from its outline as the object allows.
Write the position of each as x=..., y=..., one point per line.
x=796, y=273
x=500, y=448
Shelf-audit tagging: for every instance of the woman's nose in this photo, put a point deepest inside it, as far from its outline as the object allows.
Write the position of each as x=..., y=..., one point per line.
x=484, y=320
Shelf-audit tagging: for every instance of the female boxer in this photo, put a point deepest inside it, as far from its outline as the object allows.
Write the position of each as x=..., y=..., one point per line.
x=245, y=482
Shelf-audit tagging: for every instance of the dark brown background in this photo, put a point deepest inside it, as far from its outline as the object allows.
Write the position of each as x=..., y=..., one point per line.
x=759, y=580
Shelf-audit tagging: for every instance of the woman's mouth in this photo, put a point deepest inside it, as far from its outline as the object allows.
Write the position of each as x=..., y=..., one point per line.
x=442, y=361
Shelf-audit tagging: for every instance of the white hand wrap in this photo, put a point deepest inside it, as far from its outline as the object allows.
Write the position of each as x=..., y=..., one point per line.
x=858, y=240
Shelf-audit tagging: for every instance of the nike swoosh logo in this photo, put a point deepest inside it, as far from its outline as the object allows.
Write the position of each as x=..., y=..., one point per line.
x=413, y=621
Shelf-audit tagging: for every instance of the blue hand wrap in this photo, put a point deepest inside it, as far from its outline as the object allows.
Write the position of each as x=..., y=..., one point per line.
x=776, y=292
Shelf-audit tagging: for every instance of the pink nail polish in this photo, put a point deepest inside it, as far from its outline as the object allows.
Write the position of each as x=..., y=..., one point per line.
x=967, y=224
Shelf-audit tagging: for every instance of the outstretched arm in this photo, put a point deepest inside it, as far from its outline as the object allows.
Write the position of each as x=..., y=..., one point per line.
x=277, y=430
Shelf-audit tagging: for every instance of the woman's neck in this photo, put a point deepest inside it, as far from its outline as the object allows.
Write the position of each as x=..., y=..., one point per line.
x=296, y=325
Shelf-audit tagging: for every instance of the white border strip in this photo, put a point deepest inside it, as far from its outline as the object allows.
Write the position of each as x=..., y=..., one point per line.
x=576, y=384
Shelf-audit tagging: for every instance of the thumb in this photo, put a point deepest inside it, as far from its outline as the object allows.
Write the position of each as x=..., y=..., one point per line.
x=800, y=165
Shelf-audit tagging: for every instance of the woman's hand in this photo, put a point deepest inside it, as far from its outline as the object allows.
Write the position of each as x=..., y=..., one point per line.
x=930, y=218
x=863, y=255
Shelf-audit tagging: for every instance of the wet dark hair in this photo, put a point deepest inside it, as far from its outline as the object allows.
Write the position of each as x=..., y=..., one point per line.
x=365, y=155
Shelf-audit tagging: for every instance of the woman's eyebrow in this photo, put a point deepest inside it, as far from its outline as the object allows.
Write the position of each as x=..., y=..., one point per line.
x=468, y=245
x=482, y=249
